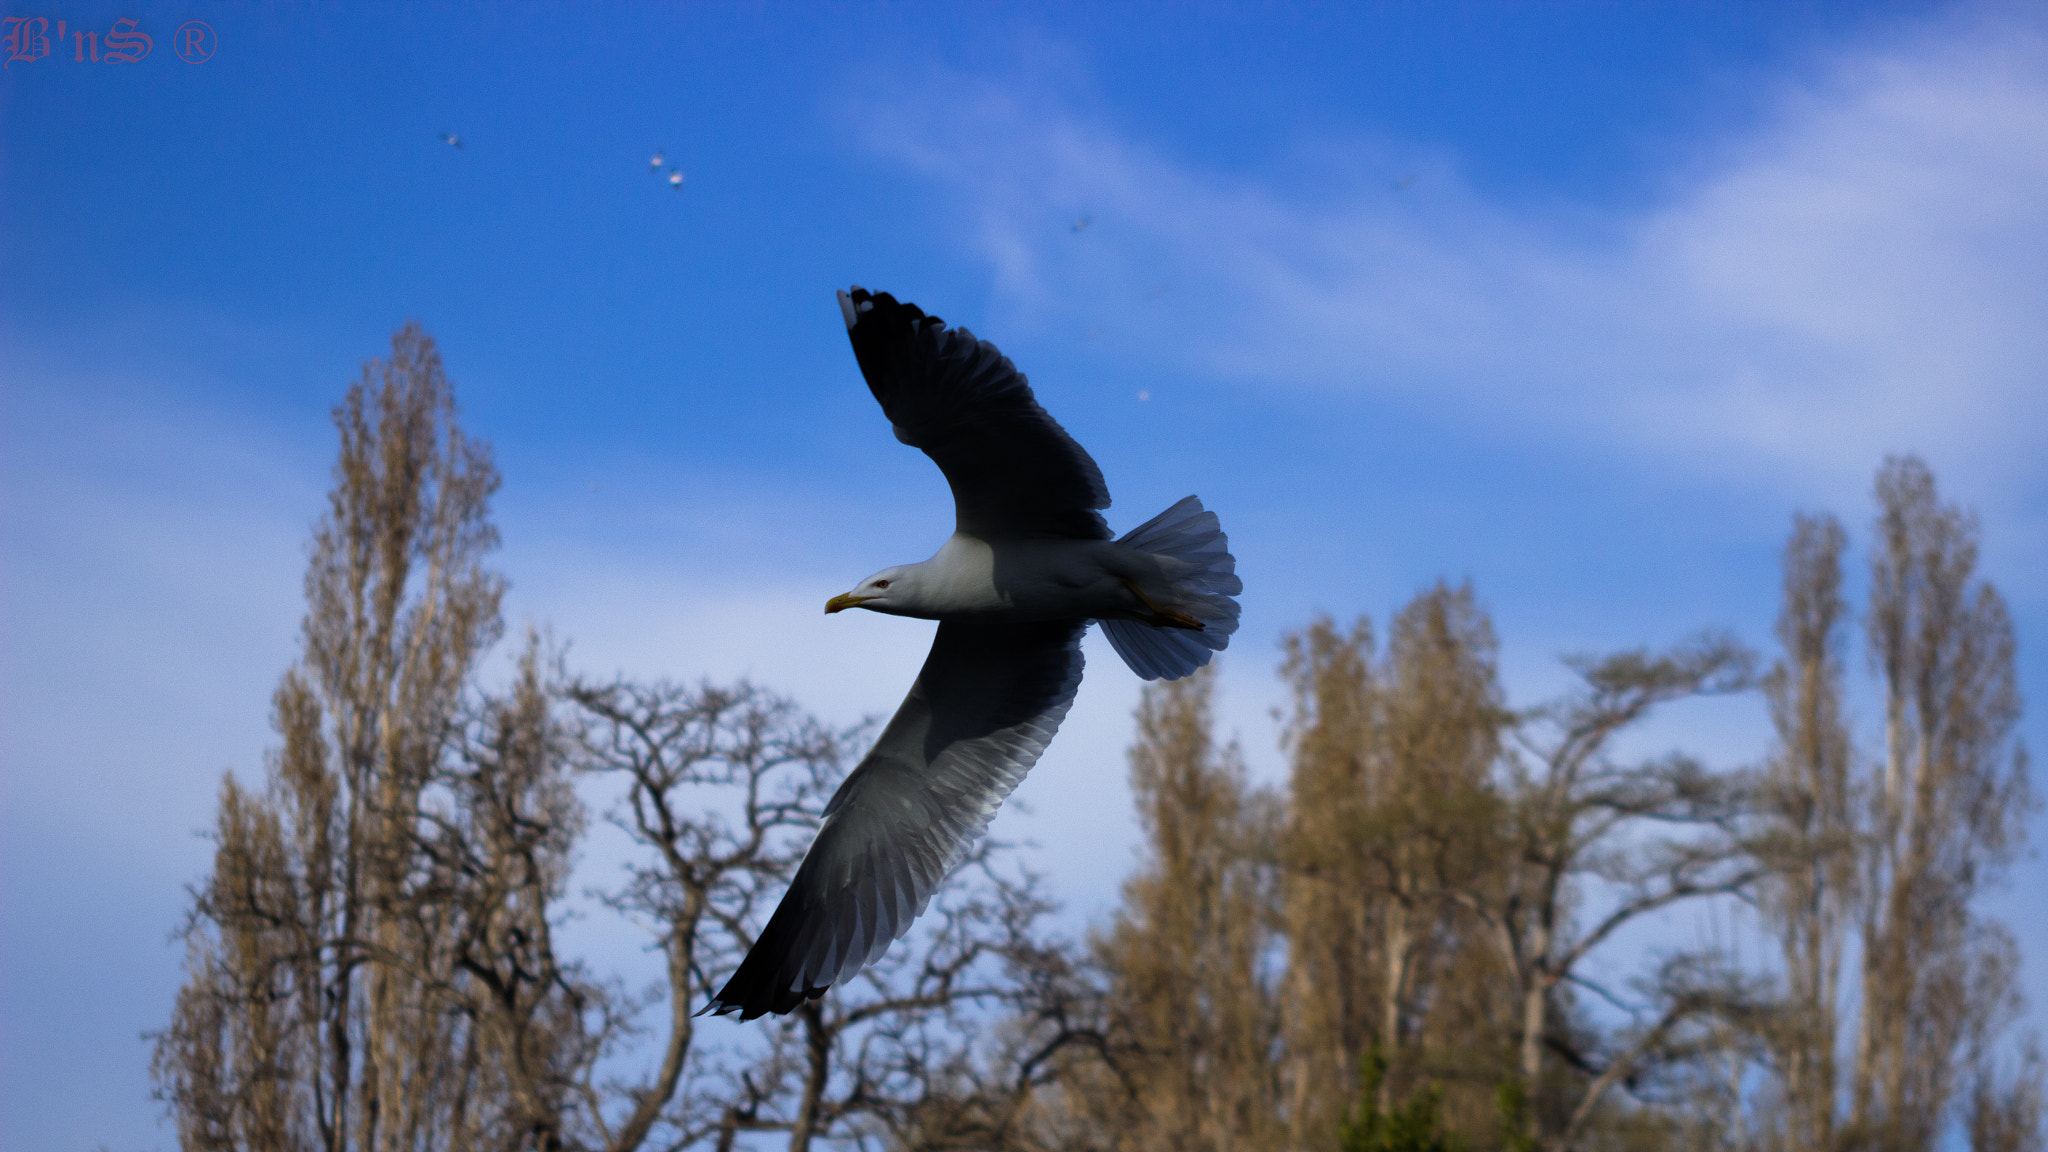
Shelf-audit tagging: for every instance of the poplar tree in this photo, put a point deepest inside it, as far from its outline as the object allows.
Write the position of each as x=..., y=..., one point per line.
x=1809, y=838
x=360, y=938
x=1392, y=815
x=1882, y=858
x=1946, y=812
x=1186, y=958
x=1329, y=915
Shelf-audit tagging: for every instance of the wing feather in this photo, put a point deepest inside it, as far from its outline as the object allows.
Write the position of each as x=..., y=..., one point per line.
x=1015, y=473
x=987, y=702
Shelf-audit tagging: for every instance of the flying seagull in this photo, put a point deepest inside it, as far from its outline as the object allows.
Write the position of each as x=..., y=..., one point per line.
x=656, y=162
x=675, y=180
x=451, y=139
x=1029, y=565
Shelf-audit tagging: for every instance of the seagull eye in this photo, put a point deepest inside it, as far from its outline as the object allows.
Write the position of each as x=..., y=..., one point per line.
x=881, y=583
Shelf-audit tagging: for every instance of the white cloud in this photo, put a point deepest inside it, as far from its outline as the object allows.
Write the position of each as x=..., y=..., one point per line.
x=152, y=564
x=151, y=559
x=1862, y=274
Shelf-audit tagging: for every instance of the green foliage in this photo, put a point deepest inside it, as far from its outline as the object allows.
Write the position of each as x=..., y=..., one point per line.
x=1413, y=1125
x=1511, y=1104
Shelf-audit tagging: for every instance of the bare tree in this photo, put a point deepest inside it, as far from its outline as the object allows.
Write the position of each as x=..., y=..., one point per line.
x=1188, y=956
x=719, y=786
x=1392, y=815
x=326, y=1003
x=231, y=1063
x=943, y=1043
x=1890, y=854
x=2006, y=1109
x=496, y=851
x=1433, y=829
x=1328, y=914
x=1947, y=811
x=1577, y=817
x=1809, y=834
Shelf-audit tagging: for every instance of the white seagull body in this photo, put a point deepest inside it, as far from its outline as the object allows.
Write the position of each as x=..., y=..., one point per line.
x=1029, y=565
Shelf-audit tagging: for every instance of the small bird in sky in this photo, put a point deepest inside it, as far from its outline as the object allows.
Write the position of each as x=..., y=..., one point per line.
x=656, y=163
x=451, y=139
x=675, y=180
x=1082, y=224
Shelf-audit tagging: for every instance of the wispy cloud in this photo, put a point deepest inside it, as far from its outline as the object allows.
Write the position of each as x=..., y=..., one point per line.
x=1862, y=273
x=152, y=569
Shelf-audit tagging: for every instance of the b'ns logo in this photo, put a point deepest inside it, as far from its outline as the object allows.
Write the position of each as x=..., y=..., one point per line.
x=27, y=38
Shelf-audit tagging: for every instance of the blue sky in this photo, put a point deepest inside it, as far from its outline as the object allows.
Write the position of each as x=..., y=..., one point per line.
x=1580, y=301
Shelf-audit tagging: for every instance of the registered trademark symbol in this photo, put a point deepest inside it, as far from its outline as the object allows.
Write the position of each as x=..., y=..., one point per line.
x=195, y=41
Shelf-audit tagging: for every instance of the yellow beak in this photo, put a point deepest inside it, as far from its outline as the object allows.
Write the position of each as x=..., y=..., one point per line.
x=844, y=601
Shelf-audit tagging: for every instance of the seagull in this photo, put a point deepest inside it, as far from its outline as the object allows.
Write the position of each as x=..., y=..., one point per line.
x=656, y=163
x=1029, y=566
x=675, y=181
x=1081, y=225
x=451, y=139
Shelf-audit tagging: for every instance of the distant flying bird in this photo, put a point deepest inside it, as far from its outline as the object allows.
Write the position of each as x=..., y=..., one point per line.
x=451, y=139
x=675, y=180
x=1082, y=224
x=656, y=162
x=1405, y=183
x=1029, y=566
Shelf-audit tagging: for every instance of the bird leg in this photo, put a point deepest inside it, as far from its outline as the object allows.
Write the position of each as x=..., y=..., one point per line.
x=1165, y=617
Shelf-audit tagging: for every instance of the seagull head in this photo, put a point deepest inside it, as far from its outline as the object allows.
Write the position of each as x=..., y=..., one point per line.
x=891, y=590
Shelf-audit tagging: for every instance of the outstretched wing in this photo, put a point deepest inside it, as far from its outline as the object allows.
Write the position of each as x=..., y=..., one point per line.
x=1014, y=471
x=985, y=705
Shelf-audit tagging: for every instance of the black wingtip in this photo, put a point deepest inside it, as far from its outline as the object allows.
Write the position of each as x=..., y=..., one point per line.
x=719, y=1006
x=757, y=1002
x=855, y=303
x=768, y=978
x=858, y=302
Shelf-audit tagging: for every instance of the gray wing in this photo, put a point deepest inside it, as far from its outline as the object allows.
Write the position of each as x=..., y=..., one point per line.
x=1014, y=471
x=985, y=705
